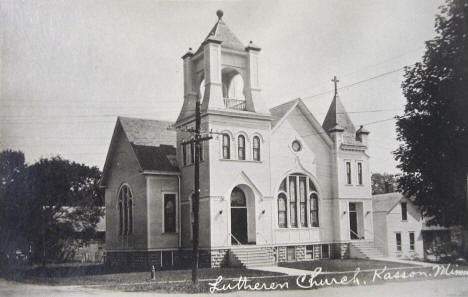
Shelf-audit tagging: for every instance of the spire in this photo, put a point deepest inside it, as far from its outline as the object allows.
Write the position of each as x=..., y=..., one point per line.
x=337, y=118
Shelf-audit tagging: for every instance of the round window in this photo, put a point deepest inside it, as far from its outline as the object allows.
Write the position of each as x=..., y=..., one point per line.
x=296, y=146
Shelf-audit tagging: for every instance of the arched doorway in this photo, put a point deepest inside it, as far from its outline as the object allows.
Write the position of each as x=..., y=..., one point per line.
x=238, y=217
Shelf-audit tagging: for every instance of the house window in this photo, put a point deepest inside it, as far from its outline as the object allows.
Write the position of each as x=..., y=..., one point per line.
x=404, y=211
x=359, y=169
x=125, y=206
x=241, y=147
x=411, y=241
x=309, y=252
x=169, y=213
x=314, y=210
x=398, y=241
x=226, y=146
x=298, y=193
x=256, y=148
x=348, y=173
x=282, y=211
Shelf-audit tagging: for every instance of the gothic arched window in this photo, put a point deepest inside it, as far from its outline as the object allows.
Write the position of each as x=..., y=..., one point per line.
x=226, y=146
x=125, y=206
x=241, y=147
x=256, y=148
x=298, y=193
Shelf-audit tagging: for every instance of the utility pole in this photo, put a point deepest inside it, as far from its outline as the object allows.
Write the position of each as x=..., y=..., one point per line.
x=197, y=140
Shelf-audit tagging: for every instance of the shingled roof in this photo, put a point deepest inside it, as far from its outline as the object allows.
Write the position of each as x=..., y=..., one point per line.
x=153, y=143
x=278, y=112
x=385, y=202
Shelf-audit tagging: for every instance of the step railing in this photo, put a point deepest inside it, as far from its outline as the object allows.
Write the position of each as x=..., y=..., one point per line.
x=357, y=235
x=235, y=239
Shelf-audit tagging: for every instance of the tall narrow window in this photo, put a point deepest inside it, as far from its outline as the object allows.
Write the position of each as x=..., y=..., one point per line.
x=404, y=211
x=120, y=218
x=398, y=241
x=192, y=153
x=125, y=206
x=302, y=200
x=241, y=147
x=256, y=148
x=348, y=173
x=314, y=218
x=359, y=169
x=184, y=154
x=226, y=146
x=130, y=216
x=282, y=201
x=292, y=201
x=169, y=213
x=411, y=241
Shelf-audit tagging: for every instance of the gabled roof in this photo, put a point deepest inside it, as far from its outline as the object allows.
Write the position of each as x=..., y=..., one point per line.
x=278, y=112
x=221, y=32
x=281, y=112
x=385, y=202
x=337, y=115
x=152, y=142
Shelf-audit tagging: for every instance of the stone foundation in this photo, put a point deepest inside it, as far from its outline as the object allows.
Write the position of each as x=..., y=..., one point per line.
x=144, y=260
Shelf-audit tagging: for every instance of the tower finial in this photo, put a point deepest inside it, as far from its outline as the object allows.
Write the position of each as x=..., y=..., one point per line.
x=335, y=82
x=220, y=14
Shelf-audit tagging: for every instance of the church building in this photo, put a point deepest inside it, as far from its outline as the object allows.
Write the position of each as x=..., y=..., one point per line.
x=275, y=186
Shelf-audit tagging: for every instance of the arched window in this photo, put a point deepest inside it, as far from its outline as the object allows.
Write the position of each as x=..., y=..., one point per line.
x=125, y=210
x=226, y=146
x=256, y=148
x=241, y=147
x=282, y=211
x=297, y=192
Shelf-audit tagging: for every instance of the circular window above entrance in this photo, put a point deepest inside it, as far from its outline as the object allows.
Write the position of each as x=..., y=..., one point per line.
x=296, y=146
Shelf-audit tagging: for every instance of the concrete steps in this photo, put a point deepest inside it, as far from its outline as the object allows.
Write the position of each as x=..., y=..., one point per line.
x=366, y=249
x=250, y=257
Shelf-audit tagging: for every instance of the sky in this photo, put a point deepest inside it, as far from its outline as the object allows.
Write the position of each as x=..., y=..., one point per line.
x=69, y=68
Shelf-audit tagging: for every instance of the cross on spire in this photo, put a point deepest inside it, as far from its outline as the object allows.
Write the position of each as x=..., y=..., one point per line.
x=335, y=82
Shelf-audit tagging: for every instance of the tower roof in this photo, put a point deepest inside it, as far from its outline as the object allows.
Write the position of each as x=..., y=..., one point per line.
x=221, y=32
x=337, y=118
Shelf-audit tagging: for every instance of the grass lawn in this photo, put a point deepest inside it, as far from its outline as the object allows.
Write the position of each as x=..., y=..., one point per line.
x=343, y=265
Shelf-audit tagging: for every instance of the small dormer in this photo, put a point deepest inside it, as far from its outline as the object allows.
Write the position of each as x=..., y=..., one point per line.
x=223, y=74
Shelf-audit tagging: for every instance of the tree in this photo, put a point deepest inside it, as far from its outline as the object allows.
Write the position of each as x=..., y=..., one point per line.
x=433, y=130
x=52, y=208
x=383, y=183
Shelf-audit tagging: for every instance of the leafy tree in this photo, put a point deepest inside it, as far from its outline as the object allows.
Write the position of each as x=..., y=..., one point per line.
x=52, y=208
x=383, y=183
x=433, y=156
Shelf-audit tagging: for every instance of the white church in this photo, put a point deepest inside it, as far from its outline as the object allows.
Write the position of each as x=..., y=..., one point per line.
x=276, y=185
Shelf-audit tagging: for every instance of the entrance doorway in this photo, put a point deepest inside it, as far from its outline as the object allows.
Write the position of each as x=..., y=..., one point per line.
x=353, y=222
x=356, y=220
x=238, y=217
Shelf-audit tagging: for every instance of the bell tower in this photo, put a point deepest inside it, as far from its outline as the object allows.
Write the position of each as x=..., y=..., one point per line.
x=223, y=74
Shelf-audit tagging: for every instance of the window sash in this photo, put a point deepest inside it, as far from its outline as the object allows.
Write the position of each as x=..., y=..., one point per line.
x=226, y=147
x=241, y=148
x=404, y=211
x=348, y=173
x=256, y=148
x=169, y=213
x=411, y=240
x=398, y=241
x=360, y=173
